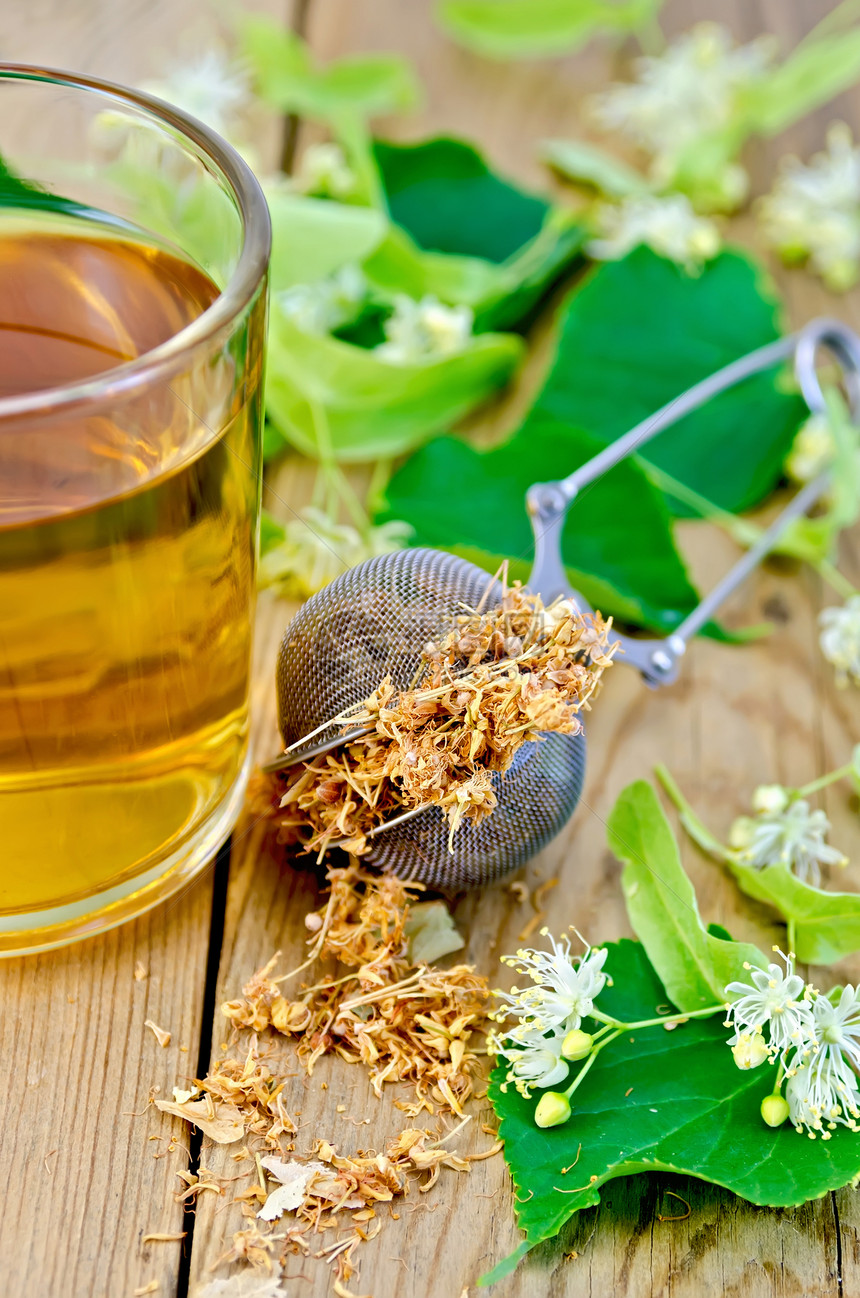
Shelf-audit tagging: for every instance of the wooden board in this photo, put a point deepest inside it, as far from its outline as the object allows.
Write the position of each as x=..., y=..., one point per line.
x=74, y=1068
x=82, y=1181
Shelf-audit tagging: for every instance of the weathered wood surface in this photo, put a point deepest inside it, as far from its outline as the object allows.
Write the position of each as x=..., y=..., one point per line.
x=736, y=717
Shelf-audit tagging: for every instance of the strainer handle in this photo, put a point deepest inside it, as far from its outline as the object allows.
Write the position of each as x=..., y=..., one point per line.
x=548, y=502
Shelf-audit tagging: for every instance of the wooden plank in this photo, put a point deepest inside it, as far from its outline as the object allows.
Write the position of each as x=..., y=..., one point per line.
x=121, y=40
x=735, y=718
x=83, y=1183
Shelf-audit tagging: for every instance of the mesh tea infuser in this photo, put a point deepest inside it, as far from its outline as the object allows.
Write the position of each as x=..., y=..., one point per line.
x=375, y=619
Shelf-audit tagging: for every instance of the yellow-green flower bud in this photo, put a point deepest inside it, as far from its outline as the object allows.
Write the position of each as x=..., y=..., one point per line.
x=769, y=800
x=577, y=1044
x=774, y=1110
x=741, y=833
x=750, y=1050
x=553, y=1109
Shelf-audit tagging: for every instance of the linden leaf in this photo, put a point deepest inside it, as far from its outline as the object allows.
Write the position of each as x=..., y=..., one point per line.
x=586, y=164
x=361, y=86
x=325, y=396
x=639, y=333
x=522, y=29
x=826, y=924
x=617, y=542
x=314, y=237
x=227, y=1126
x=505, y=245
x=664, y=1102
x=693, y=965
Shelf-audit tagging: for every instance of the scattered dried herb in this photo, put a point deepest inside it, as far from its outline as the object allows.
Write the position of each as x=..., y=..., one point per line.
x=405, y=1021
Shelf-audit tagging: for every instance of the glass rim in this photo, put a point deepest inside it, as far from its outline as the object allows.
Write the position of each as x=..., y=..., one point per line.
x=173, y=354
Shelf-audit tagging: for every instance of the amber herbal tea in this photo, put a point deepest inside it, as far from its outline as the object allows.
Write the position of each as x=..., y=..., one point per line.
x=127, y=543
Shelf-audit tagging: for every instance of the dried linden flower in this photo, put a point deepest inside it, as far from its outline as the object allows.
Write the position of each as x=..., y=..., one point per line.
x=497, y=680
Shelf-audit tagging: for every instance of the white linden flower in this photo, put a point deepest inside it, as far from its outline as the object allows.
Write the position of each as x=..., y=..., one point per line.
x=813, y=212
x=776, y=1000
x=750, y=1050
x=535, y=1059
x=794, y=837
x=323, y=171
x=668, y=225
x=840, y=639
x=316, y=550
x=424, y=330
x=212, y=87
x=812, y=451
x=837, y=1026
x=689, y=92
x=564, y=992
x=327, y=304
x=822, y=1090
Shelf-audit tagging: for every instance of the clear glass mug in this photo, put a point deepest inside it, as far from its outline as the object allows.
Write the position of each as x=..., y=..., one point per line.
x=134, y=246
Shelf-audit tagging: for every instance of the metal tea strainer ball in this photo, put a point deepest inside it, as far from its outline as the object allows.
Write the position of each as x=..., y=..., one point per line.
x=374, y=621
x=376, y=618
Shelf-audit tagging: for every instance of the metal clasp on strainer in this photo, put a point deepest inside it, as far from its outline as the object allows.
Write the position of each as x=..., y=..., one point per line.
x=548, y=502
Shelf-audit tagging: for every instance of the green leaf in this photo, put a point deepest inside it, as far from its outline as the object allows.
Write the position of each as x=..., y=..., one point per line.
x=466, y=235
x=272, y=533
x=586, y=164
x=820, y=68
x=826, y=924
x=638, y=334
x=617, y=540
x=500, y=294
x=398, y=265
x=322, y=393
x=518, y=29
x=359, y=87
x=693, y=965
x=20, y=193
x=661, y=1102
x=312, y=237
x=446, y=197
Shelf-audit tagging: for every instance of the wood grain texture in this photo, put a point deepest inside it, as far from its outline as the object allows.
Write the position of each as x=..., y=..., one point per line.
x=82, y=1183
x=735, y=718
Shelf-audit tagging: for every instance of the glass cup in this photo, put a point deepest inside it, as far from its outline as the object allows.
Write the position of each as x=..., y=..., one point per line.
x=134, y=246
